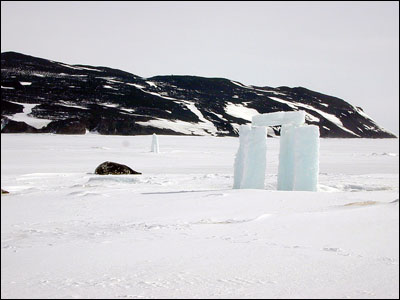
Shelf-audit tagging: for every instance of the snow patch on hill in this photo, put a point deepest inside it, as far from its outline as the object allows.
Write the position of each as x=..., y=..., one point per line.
x=26, y=116
x=330, y=117
x=176, y=125
x=240, y=111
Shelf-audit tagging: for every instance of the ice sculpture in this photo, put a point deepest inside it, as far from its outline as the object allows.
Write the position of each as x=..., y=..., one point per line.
x=286, y=158
x=279, y=118
x=244, y=133
x=255, y=159
x=154, y=144
x=298, y=156
x=306, y=159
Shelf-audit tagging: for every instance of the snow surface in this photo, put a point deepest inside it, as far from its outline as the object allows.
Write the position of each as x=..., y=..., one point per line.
x=39, y=74
x=332, y=118
x=141, y=87
x=78, y=68
x=181, y=231
x=204, y=124
x=241, y=85
x=71, y=104
x=178, y=126
x=204, y=127
x=109, y=87
x=27, y=118
x=150, y=83
x=271, y=91
x=240, y=111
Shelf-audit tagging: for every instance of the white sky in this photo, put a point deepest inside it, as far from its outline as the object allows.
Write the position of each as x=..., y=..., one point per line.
x=346, y=49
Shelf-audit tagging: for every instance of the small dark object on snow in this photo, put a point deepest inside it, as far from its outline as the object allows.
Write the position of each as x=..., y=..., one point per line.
x=112, y=168
x=4, y=191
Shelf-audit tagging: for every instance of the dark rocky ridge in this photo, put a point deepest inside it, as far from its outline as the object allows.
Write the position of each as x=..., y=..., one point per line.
x=78, y=98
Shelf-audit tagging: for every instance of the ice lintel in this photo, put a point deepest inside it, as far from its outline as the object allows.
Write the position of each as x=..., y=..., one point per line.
x=279, y=118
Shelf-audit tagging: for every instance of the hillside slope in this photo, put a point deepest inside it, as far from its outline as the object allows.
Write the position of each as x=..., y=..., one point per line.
x=39, y=95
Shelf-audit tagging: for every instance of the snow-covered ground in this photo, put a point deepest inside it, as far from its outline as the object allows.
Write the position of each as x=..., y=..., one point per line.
x=180, y=231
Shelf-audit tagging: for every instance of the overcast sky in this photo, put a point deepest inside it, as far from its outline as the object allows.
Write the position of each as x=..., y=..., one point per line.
x=346, y=49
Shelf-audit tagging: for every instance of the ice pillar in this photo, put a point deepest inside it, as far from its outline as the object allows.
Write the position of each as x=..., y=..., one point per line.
x=286, y=158
x=298, y=158
x=306, y=158
x=244, y=133
x=154, y=144
x=255, y=159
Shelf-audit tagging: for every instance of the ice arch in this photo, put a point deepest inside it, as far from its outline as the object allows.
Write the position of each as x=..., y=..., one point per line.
x=298, y=153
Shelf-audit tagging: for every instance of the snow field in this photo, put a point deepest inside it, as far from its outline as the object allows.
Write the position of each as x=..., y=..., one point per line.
x=181, y=231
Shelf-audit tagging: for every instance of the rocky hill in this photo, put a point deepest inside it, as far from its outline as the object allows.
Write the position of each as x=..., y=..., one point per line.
x=40, y=95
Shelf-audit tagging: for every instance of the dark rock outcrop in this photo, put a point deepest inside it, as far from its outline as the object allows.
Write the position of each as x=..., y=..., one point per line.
x=4, y=191
x=11, y=126
x=78, y=98
x=112, y=168
x=68, y=126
